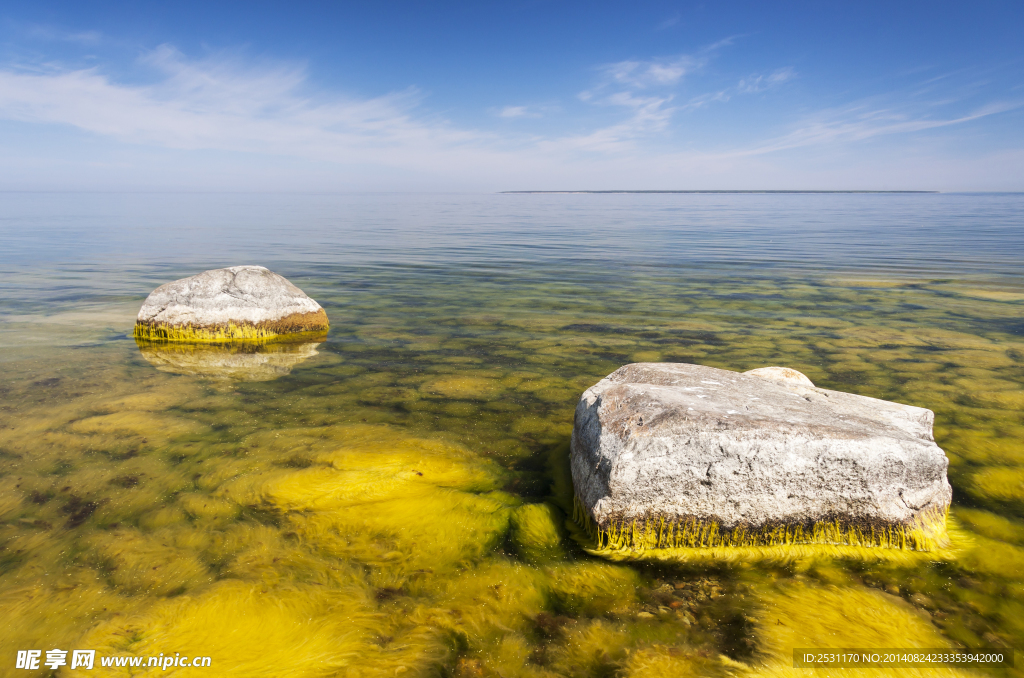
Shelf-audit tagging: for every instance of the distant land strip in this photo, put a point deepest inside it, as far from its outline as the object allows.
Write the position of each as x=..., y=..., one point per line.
x=753, y=191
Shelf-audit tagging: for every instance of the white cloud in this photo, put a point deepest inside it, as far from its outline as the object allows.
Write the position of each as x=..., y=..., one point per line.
x=512, y=112
x=522, y=111
x=648, y=115
x=651, y=114
x=621, y=86
x=270, y=110
x=861, y=122
x=759, y=83
x=707, y=98
x=750, y=85
x=218, y=103
x=651, y=73
x=669, y=22
x=41, y=32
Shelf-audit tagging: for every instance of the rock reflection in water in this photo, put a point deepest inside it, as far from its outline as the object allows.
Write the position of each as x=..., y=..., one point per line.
x=243, y=361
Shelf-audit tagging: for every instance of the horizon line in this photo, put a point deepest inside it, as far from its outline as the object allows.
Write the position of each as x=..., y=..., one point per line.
x=723, y=191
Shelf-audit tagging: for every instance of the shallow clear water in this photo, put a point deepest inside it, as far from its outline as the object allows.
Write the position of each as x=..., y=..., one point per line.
x=391, y=501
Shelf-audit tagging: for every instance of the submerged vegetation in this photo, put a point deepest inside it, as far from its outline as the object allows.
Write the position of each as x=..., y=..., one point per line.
x=232, y=332
x=927, y=534
x=399, y=504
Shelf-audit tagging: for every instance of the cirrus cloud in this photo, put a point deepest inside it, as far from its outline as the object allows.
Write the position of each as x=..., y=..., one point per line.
x=225, y=102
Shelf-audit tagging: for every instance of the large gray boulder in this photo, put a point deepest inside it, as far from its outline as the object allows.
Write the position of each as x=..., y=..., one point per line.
x=675, y=455
x=227, y=304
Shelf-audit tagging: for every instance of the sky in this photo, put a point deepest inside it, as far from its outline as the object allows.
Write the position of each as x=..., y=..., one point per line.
x=514, y=95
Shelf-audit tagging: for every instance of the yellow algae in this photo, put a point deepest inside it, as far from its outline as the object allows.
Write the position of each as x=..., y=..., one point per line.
x=941, y=338
x=147, y=401
x=803, y=616
x=1006, y=399
x=541, y=426
x=1004, y=483
x=484, y=603
x=780, y=554
x=854, y=283
x=532, y=385
x=460, y=409
x=914, y=367
x=162, y=517
x=592, y=588
x=336, y=438
x=204, y=506
x=384, y=333
x=51, y=614
x=402, y=503
x=592, y=649
x=463, y=387
x=821, y=322
x=655, y=536
x=994, y=295
x=121, y=501
x=510, y=657
x=461, y=360
x=433, y=528
x=247, y=630
x=398, y=650
x=261, y=503
x=11, y=498
x=263, y=553
x=388, y=395
x=672, y=662
x=478, y=609
x=977, y=359
x=538, y=533
x=232, y=332
x=991, y=525
x=646, y=357
x=984, y=381
x=993, y=557
x=356, y=475
x=140, y=423
x=878, y=336
x=983, y=450
x=134, y=562
x=557, y=395
x=235, y=465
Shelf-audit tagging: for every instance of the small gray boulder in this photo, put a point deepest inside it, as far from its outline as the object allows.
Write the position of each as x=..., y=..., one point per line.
x=246, y=303
x=670, y=455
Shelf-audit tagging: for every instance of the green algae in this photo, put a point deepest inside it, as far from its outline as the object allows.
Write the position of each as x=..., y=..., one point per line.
x=401, y=504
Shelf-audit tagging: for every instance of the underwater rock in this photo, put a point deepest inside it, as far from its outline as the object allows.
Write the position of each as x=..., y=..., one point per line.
x=671, y=455
x=228, y=304
x=238, y=361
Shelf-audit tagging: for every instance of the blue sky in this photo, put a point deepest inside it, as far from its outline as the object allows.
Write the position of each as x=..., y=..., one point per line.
x=397, y=96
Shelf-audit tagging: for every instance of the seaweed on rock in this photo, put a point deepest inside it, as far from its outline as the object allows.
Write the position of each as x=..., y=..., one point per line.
x=927, y=534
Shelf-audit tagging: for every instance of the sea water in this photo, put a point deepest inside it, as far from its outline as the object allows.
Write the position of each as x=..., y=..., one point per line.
x=392, y=499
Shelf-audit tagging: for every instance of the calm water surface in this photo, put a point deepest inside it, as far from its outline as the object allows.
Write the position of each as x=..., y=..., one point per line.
x=391, y=501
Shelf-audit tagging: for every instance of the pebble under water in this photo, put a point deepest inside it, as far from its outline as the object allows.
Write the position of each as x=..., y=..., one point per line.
x=392, y=499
